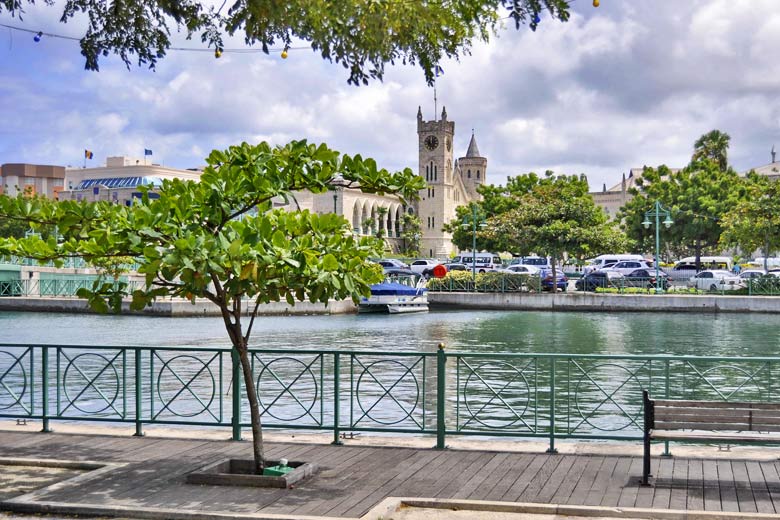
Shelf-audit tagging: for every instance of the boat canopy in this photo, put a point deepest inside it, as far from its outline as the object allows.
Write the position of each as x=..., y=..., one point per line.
x=392, y=288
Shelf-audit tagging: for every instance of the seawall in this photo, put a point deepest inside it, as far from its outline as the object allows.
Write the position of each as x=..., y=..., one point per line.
x=174, y=307
x=580, y=301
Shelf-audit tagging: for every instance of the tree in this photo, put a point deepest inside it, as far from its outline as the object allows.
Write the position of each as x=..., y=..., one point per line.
x=361, y=35
x=713, y=145
x=754, y=221
x=221, y=240
x=557, y=215
x=411, y=233
x=698, y=196
x=496, y=200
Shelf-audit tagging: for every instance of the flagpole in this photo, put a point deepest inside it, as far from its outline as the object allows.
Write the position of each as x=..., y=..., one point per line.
x=435, y=107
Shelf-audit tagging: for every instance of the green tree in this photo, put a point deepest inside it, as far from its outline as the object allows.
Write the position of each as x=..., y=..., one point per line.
x=556, y=216
x=698, y=196
x=221, y=240
x=713, y=145
x=754, y=221
x=411, y=234
x=361, y=35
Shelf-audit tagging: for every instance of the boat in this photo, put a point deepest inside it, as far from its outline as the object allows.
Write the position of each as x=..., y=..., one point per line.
x=401, y=292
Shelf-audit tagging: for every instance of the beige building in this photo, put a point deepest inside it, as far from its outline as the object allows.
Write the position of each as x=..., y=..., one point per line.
x=32, y=178
x=118, y=181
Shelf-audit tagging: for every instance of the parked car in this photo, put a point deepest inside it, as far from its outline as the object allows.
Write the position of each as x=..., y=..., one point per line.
x=602, y=278
x=450, y=267
x=537, y=261
x=645, y=278
x=747, y=274
x=629, y=266
x=521, y=269
x=423, y=264
x=601, y=261
x=392, y=263
x=561, y=280
x=716, y=280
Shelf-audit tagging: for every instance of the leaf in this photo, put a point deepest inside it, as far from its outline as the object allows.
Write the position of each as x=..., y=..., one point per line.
x=329, y=263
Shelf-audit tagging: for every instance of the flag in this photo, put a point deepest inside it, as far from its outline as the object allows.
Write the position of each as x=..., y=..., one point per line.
x=88, y=154
x=147, y=151
x=439, y=71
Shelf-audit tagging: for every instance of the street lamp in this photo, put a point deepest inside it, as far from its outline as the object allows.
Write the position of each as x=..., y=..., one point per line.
x=476, y=220
x=658, y=211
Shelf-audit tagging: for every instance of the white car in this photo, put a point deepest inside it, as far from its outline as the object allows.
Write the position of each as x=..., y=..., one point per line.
x=752, y=273
x=716, y=280
x=418, y=266
x=521, y=269
x=629, y=266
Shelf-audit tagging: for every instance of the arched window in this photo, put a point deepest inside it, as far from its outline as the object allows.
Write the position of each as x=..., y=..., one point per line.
x=469, y=174
x=427, y=173
x=433, y=192
x=477, y=174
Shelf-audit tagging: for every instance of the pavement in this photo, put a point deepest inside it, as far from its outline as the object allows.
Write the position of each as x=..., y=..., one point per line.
x=51, y=486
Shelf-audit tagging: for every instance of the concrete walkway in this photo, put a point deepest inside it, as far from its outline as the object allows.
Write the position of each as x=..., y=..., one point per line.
x=144, y=475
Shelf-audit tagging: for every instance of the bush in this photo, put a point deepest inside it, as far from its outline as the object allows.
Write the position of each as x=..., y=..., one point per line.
x=490, y=281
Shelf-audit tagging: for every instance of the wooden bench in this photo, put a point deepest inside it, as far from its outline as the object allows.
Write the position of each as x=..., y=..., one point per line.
x=708, y=421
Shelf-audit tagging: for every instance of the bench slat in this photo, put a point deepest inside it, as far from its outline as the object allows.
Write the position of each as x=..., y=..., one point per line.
x=717, y=437
x=716, y=426
x=715, y=418
x=715, y=404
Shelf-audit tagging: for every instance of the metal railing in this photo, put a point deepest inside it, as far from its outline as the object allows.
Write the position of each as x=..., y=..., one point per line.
x=53, y=287
x=551, y=396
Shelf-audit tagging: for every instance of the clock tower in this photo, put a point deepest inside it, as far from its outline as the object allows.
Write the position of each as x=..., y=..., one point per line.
x=436, y=206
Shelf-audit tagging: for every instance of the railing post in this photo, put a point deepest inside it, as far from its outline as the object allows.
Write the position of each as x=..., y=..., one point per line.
x=552, y=449
x=45, y=388
x=666, y=452
x=336, y=399
x=139, y=432
x=441, y=386
x=236, y=383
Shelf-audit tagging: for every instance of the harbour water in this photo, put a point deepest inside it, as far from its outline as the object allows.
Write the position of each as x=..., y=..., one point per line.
x=472, y=331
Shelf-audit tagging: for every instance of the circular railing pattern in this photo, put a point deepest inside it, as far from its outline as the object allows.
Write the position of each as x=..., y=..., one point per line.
x=497, y=395
x=613, y=403
x=89, y=381
x=11, y=394
x=380, y=381
x=299, y=390
x=186, y=375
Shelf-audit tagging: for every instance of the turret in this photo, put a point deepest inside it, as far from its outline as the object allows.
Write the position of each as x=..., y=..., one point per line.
x=473, y=167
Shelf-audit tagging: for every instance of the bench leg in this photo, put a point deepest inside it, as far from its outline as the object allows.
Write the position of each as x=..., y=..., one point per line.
x=646, y=463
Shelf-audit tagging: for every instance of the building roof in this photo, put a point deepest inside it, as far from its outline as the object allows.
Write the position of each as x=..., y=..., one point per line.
x=120, y=182
x=473, y=151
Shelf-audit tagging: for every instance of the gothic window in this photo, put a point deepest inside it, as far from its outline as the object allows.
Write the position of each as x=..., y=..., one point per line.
x=433, y=222
x=477, y=174
x=435, y=172
x=427, y=173
x=433, y=192
x=469, y=174
x=429, y=222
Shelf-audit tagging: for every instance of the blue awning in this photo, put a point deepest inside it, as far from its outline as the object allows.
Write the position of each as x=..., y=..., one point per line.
x=392, y=288
x=120, y=182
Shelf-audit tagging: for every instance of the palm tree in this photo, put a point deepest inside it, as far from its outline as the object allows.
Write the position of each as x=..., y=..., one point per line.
x=713, y=145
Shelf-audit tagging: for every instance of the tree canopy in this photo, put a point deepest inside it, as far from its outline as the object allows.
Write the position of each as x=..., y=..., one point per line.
x=361, y=35
x=698, y=196
x=713, y=145
x=221, y=240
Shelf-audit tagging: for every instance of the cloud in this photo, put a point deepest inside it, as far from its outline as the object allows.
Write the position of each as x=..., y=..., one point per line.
x=621, y=86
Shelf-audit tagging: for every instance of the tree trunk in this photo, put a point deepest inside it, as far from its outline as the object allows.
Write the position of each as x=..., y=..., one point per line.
x=697, y=251
x=254, y=407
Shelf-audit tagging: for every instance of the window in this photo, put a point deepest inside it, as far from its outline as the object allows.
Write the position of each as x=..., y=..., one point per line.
x=433, y=192
x=477, y=174
x=435, y=172
x=429, y=222
x=433, y=222
x=469, y=174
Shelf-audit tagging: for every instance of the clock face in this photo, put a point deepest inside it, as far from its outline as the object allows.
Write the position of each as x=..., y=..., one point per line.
x=431, y=142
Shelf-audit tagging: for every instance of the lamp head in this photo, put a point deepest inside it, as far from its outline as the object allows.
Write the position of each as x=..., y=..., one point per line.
x=668, y=222
x=646, y=223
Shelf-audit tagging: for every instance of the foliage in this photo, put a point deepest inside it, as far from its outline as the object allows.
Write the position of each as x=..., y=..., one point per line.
x=557, y=215
x=361, y=35
x=219, y=239
x=714, y=145
x=490, y=281
x=698, y=196
x=12, y=228
x=754, y=221
x=411, y=234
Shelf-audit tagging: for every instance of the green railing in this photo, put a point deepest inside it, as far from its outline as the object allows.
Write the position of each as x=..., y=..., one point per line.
x=442, y=393
x=60, y=286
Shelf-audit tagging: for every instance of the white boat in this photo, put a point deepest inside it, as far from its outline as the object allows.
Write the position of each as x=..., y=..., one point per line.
x=396, y=298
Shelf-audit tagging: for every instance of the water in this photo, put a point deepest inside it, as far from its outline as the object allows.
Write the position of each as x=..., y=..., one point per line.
x=472, y=331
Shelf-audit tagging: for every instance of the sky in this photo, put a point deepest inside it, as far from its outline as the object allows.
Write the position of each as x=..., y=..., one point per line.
x=627, y=84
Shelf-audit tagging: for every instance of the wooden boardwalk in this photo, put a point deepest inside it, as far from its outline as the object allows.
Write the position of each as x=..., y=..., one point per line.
x=352, y=479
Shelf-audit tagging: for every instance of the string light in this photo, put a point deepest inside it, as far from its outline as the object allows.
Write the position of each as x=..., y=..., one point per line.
x=217, y=53
x=38, y=37
x=284, y=54
x=596, y=3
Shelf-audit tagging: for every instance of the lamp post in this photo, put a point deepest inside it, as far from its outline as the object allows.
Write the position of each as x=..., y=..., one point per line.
x=476, y=220
x=658, y=211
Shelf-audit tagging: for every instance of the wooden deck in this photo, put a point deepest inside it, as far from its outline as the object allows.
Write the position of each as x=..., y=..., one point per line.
x=353, y=479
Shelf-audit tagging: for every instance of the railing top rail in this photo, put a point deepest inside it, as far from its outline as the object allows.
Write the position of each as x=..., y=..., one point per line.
x=448, y=353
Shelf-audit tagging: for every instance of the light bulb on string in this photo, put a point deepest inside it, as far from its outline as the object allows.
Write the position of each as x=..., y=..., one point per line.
x=596, y=3
x=537, y=19
x=284, y=53
x=217, y=53
x=38, y=37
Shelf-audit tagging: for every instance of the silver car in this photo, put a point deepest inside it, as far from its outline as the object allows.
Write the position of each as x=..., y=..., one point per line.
x=716, y=280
